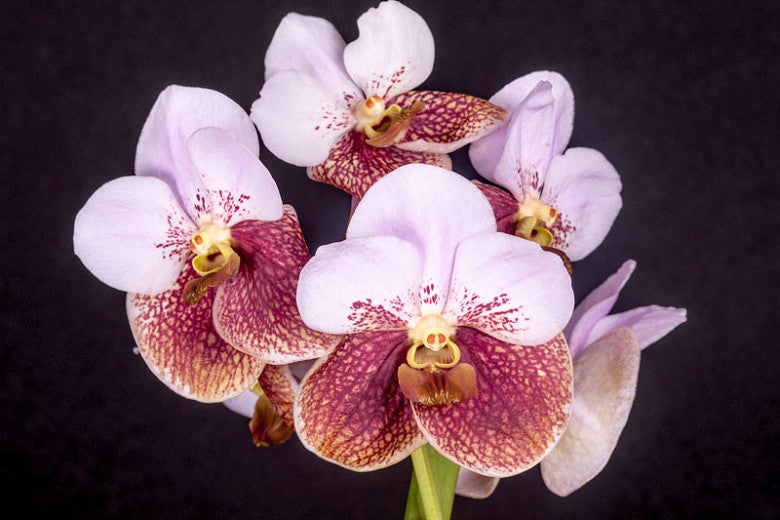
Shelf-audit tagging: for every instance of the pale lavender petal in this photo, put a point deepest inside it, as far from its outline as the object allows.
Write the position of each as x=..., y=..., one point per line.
x=649, y=323
x=432, y=208
x=393, y=53
x=244, y=404
x=133, y=235
x=177, y=113
x=605, y=377
x=585, y=189
x=594, y=307
x=235, y=184
x=313, y=47
x=509, y=288
x=298, y=120
x=361, y=284
x=474, y=485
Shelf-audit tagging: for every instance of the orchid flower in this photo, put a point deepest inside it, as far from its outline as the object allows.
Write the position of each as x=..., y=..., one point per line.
x=201, y=242
x=348, y=112
x=567, y=201
x=606, y=350
x=453, y=333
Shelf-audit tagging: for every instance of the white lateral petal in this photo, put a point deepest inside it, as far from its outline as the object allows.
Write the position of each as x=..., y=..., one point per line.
x=595, y=306
x=509, y=288
x=244, y=404
x=133, y=235
x=649, y=323
x=298, y=120
x=393, y=53
x=236, y=185
x=312, y=46
x=430, y=207
x=361, y=285
x=585, y=189
x=474, y=485
x=177, y=113
x=605, y=377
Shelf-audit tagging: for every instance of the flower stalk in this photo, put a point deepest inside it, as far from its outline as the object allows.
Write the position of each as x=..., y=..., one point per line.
x=432, y=489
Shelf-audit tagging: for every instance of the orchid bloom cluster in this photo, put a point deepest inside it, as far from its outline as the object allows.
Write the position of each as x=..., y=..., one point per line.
x=446, y=317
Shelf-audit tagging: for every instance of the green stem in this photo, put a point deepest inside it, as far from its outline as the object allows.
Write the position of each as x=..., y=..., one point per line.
x=432, y=490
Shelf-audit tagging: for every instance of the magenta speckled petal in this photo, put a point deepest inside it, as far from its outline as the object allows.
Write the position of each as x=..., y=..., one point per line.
x=350, y=409
x=280, y=386
x=432, y=208
x=449, y=121
x=393, y=53
x=354, y=166
x=605, y=376
x=520, y=410
x=181, y=346
x=585, y=189
x=508, y=287
x=175, y=116
x=360, y=285
x=474, y=485
x=255, y=311
x=504, y=206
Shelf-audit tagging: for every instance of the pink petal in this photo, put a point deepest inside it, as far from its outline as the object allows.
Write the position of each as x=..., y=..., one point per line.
x=360, y=285
x=133, y=235
x=594, y=307
x=585, y=189
x=605, y=378
x=520, y=410
x=649, y=323
x=474, y=485
x=350, y=409
x=529, y=145
x=504, y=205
x=354, y=166
x=298, y=120
x=509, y=288
x=313, y=47
x=280, y=386
x=448, y=121
x=244, y=404
x=255, y=311
x=432, y=208
x=182, y=348
x=393, y=53
x=177, y=113
x=235, y=184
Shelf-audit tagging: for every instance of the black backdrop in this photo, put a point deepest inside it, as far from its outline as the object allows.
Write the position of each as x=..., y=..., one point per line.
x=680, y=96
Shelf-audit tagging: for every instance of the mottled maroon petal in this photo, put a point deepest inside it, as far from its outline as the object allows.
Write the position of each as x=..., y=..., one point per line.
x=522, y=404
x=504, y=204
x=255, y=311
x=350, y=409
x=180, y=344
x=449, y=121
x=354, y=166
x=280, y=386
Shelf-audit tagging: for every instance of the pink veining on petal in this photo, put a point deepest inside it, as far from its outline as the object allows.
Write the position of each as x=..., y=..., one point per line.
x=504, y=206
x=181, y=346
x=490, y=315
x=523, y=401
x=280, y=386
x=562, y=231
x=256, y=310
x=366, y=315
x=177, y=237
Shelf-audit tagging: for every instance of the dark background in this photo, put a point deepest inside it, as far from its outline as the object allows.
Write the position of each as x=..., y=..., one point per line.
x=681, y=98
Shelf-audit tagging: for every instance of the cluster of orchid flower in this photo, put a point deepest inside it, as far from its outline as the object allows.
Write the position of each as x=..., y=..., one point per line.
x=446, y=317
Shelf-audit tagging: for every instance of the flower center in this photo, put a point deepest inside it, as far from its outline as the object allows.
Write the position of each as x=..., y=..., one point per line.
x=433, y=373
x=384, y=126
x=534, y=220
x=215, y=260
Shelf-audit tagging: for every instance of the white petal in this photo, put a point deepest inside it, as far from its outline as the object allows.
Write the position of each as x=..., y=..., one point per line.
x=605, y=377
x=298, y=120
x=361, y=284
x=133, y=235
x=393, y=53
x=313, y=47
x=649, y=323
x=430, y=207
x=236, y=185
x=594, y=307
x=474, y=485
x=177, y=113
x=585, y=189
x=509, y=288
x=244, y=404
